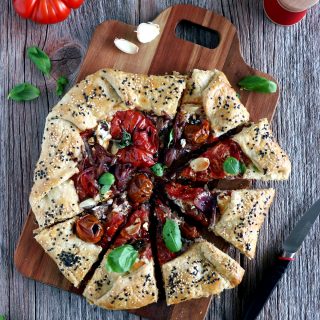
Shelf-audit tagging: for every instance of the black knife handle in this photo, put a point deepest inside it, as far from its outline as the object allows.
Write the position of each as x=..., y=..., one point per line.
x=266, y=287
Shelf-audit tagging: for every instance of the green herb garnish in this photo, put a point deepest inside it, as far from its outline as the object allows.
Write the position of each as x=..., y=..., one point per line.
x=170, y=137
x=40, y=59
x=258, y=84
x=61, y=85
x=125, y=141
x=231, y=166
x=2, y=317
x=172, y=236
x=24, y=92
x=121, y=259
x=106, y=178
x=158, y=169
x=243, y=168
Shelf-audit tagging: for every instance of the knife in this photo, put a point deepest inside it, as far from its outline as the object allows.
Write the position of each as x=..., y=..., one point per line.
x=290, y=248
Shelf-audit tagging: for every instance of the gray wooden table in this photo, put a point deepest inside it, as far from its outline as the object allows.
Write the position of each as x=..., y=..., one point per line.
x=290, y=54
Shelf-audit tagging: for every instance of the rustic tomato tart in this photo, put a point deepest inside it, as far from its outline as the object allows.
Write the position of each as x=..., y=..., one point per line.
x=123, y=182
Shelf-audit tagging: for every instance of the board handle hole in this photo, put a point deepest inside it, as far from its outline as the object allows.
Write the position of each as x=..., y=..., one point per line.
x=192, y=32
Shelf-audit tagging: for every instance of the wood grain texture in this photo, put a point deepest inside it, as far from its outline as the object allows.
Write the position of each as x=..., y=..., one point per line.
x=290, y=54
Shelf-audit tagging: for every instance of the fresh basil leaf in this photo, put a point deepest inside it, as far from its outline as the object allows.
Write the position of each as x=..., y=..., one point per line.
x=24, y=92
x=40, y=59
x=106, y=178
x=61, y=85
x=243, y=168
x=258, y=84
x=231, y=166
x=2, y=317
x=104, y=189
x=158, y=169
x=172, y=236
x=121, y=259
x=125, y=141
x=171, y=133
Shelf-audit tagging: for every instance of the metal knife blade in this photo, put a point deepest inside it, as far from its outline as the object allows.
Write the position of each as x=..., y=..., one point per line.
x=301, y=230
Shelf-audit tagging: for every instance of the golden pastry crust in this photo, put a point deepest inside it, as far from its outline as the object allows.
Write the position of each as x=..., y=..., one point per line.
x=196, y=84
x=111, y=290
x=201, y=271
x=222, y=107
x=157, y=94
x=59, y=204
x=73, y=256
x=242, y=215
x=258, y=143
x=89, y=101
x=61, y=149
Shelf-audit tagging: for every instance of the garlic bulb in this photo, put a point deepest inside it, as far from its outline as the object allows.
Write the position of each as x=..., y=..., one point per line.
x=146, y=32
x=126, y=46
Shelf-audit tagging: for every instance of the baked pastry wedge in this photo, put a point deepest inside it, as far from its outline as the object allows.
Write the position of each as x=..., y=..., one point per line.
x=73, y=256
x=252, y=153
x=125, y=278
x=235, y=215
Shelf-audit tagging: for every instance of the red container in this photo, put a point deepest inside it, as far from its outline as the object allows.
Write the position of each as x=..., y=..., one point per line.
x=279, y=13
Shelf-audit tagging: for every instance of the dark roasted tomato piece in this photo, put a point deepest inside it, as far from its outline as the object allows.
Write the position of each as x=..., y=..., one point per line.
x=86, y=183
x=89, y=228
x=197, y=133
x=145, y=142
x=196, y=203
x=123, y=174
x=217, y=155
x=136, y=228
x=140, y=188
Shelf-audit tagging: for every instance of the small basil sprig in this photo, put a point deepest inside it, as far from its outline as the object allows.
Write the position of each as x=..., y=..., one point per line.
x=172, y=236
x=158, y=169
x=106, y=180
x=171, y=133
x=40, y=59
x=233, y=166
x=125, y=141
x=24, y=92
x=61, y=84
x=2, y=317
x=121, y=259
x=258, y=84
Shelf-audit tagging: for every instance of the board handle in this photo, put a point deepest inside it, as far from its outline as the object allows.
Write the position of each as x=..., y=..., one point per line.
x=198, y=16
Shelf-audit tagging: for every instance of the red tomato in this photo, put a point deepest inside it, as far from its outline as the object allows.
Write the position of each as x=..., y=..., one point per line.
x=86, y=183
x=217, y=155
x=182, y=192
x=144, y=142
x=45, y=11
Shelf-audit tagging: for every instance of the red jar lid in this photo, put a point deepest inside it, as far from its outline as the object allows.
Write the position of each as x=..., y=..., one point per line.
x=278, y=14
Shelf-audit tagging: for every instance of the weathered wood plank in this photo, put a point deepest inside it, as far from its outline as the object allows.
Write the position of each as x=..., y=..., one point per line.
x=290, y=54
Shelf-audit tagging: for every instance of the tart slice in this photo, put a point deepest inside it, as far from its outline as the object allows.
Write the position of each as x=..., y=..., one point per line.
x=73, y=256
x=192, y=268
x=252, y=153
x=125, y=278
x=235, y=215
x=75, y=244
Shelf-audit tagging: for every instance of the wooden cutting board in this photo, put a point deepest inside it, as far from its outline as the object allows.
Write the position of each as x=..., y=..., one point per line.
x=165, y=54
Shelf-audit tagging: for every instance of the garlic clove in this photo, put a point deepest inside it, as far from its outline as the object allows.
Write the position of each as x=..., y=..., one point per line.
x=146, y=32
x=88, y=204
x=200, y=164
x=126, y=46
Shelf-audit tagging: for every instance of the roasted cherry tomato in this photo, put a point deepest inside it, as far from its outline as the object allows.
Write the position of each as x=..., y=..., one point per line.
x=144, y=144
x=197, y=133
x=140, y=188
x=45, y=11
x=217, y=155
x=89, y=228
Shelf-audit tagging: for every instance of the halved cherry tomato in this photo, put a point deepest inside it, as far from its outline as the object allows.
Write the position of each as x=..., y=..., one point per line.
x=145, y=142
x=45, y=11
x=89, y=228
